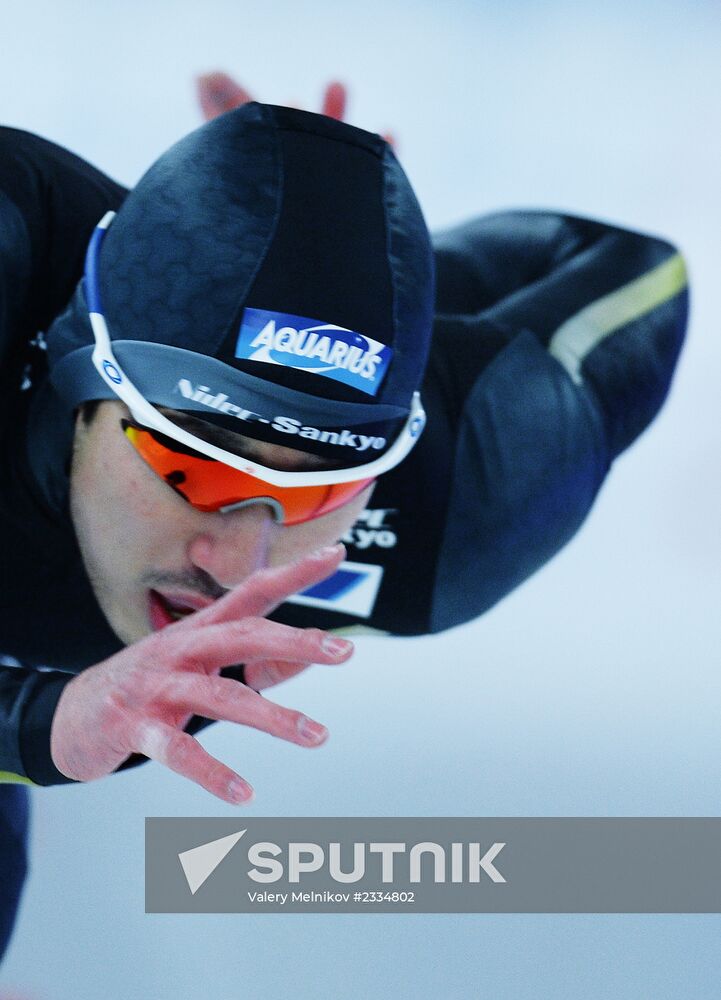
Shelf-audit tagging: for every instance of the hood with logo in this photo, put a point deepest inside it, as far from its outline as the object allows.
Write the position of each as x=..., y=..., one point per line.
x=270, y=274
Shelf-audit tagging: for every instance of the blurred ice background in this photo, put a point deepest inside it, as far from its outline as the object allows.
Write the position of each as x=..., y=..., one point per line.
x=592, y=690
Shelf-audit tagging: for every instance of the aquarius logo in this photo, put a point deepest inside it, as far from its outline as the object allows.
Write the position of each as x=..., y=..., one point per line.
x=313, y=346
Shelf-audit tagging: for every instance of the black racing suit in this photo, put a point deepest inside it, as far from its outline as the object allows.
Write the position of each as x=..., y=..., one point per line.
x=554, y=345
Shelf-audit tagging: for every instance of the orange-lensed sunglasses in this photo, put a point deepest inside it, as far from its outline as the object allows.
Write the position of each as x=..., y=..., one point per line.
x=210, y=485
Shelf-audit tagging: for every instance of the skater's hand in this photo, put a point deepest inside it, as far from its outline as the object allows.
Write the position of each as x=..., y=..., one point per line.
x=140, y=699
x=218, y=93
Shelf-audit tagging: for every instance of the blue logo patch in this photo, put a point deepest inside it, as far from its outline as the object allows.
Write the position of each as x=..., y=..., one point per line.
x=352, y=590
x=313, y=346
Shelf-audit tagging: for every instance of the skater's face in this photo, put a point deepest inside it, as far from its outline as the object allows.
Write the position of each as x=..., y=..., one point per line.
x=152, y=557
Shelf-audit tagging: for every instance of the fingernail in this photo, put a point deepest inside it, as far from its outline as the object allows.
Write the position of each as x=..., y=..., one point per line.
x=326, y=552
x=310, y=730
x=239, y=791
x=335, y=647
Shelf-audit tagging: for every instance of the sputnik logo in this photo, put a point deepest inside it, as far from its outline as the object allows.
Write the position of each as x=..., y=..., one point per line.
x=199, y=863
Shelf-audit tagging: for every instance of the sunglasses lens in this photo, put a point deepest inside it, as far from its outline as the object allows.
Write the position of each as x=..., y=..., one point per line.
x=209, y=485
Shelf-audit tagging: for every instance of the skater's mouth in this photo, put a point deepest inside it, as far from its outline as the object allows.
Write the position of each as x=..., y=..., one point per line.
x=165, y=607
